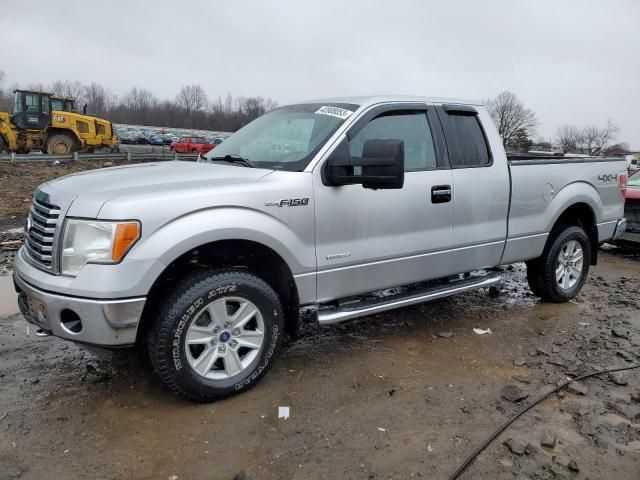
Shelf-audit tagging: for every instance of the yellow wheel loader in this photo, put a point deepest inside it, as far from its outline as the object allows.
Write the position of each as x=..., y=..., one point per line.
x=35, y=126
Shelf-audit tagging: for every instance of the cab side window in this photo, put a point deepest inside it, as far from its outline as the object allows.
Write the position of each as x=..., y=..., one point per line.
x=466, y=142
x=410, y=126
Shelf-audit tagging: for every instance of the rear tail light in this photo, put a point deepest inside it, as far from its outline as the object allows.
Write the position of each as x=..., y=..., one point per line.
x=622, y=183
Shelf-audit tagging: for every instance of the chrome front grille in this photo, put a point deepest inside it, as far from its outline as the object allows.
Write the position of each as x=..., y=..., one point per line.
x=41, y=233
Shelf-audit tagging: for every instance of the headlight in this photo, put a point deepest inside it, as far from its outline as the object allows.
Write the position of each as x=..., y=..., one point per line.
x=92, y=241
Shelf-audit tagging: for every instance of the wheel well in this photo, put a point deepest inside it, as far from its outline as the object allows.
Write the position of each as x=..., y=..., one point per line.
x=581, y=214
x=244, y=254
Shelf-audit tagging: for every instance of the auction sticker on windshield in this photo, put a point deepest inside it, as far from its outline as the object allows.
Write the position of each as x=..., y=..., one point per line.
x=334, y=111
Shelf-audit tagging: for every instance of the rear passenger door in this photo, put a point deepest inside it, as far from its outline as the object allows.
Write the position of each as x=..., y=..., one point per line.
x=481, y=187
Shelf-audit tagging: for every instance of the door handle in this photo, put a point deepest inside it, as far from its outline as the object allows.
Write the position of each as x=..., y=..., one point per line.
x=441, y=193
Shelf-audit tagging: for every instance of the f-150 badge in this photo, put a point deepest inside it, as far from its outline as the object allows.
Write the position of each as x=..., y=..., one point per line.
x=289, y=202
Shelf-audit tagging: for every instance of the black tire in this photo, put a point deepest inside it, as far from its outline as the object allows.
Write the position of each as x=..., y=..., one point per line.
x=61, y=144
x=3, y=146
x=534, y=277
x=541, y=272
x=166, y=338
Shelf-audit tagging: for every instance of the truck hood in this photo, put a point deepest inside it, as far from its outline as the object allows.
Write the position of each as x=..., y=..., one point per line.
x=92, y=189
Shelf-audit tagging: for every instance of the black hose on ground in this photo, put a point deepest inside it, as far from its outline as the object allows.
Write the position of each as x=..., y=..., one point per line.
x=505, y=425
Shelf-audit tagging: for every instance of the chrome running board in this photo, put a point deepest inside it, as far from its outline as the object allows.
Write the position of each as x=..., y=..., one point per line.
x=370, y=307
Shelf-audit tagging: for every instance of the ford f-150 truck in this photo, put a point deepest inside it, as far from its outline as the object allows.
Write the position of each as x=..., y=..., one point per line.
x=316, y=205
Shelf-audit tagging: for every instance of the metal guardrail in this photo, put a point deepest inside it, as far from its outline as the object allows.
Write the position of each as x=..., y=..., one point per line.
x=108, y=157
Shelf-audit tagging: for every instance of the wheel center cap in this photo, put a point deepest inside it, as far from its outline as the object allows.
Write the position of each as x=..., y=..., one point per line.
x=225, y=336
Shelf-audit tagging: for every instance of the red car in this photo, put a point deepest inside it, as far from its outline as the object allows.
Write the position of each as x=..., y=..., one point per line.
x=632, y=210
x=191, y=144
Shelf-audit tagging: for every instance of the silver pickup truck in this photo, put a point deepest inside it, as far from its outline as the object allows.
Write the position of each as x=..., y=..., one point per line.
x=314, y=205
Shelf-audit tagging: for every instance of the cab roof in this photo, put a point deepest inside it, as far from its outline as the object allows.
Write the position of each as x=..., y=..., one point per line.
x=374, y=99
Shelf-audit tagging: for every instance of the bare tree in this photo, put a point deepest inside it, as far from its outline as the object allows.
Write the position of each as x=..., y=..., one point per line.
x=68, y=89
x=591, y=140
x=510, y=115
x=98, y=98
x=139, y=99
x=617, y=150
x=5, y=96
x=192, y=98
x=595, y=139
x=568, y=138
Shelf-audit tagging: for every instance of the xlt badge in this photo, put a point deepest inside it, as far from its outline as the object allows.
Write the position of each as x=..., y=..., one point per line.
x=289, y=202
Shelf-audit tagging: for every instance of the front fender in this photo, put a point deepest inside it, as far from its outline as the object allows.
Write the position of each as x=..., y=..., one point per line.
x=190, y=231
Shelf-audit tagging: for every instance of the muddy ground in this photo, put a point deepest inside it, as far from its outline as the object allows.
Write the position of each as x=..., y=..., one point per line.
x=18, y=181
x=405, y=394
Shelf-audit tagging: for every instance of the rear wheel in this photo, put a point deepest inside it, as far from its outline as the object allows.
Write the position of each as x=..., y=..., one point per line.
x=194, y=150
x=61, y=144
x=559, y=274
x=3, y=146
x=217, y=335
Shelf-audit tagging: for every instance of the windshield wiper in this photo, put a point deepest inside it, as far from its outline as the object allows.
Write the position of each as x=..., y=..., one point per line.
x=235, y=159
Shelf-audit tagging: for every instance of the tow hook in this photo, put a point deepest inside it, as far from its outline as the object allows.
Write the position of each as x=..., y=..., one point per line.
x=42, y=333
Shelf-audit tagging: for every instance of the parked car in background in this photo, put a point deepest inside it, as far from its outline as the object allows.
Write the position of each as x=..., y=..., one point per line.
x=191, y=144
x=156, y=140
x=631, y=237
x=126, y=137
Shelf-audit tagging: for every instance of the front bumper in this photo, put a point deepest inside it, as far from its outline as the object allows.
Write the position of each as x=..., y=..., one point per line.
x=106, y=323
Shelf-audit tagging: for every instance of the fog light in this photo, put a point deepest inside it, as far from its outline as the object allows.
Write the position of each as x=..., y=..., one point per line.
x=70, y=321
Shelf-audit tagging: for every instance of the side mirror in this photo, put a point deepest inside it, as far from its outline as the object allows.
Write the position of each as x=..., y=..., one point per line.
x=381, y=165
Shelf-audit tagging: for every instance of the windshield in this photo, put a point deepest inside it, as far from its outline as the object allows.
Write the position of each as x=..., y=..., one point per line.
x=286, y=138
x=634, y=180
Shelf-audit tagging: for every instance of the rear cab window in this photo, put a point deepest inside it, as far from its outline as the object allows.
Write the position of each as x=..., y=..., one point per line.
x=466, y=141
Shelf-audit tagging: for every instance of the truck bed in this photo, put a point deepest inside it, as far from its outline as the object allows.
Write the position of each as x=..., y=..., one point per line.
x=544, y=186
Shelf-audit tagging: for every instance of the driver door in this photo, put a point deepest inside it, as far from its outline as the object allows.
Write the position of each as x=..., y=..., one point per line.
x=368, y=240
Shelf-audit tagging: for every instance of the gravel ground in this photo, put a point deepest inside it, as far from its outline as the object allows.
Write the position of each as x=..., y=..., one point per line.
x=405, y=394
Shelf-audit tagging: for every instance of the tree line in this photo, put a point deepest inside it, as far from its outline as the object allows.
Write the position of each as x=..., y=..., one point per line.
x=190, y=108
x=517, y=126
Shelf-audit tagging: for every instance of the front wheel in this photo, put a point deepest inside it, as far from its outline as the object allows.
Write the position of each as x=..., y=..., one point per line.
x=559, y=274
x=217, y=335
x=61, y=144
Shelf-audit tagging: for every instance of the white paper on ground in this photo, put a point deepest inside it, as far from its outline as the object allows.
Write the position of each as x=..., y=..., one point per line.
x=480, y=331
x=283, y=412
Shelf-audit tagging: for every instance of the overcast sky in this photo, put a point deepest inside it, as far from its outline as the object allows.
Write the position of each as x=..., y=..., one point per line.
x=571, y=61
